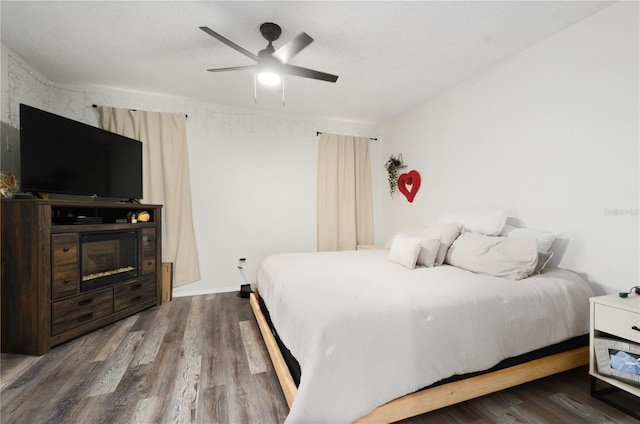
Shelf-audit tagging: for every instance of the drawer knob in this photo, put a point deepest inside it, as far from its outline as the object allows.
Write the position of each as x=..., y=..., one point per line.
x=66, y=249
x=66, y=281
x=635, y=327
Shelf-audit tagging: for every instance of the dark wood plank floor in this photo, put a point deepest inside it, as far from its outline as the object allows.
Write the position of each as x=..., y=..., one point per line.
x=201, y=360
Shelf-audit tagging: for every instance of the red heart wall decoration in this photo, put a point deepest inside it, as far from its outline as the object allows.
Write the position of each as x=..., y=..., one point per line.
x=408, y=184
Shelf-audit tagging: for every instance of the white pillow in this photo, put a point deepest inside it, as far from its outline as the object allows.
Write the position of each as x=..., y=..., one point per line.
x=428, y=252
x=513, y=258
x=486, y=220
x=446, y=233
x=405, y=251
x=544, y=238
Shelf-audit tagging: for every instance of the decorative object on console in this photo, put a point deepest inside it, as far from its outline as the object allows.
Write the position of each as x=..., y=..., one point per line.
x=409, y=184
x=8, y=185
x=392, y=165
x=144, y=216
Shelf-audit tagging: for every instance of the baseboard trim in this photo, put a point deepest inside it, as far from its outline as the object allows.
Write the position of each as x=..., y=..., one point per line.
x=198, y=292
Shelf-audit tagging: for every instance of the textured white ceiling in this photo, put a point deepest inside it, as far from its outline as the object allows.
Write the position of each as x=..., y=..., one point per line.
x=390, y=55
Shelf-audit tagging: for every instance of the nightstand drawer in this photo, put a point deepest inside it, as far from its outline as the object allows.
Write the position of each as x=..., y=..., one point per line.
x=617, y=322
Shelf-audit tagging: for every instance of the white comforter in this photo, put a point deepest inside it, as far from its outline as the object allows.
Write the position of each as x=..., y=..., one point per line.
x=366, y=331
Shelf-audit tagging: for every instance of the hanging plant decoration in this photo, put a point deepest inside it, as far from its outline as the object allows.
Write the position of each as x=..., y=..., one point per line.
x=392, y=165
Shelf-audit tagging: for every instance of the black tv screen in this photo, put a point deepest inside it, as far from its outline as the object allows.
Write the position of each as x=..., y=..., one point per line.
x=60, y=155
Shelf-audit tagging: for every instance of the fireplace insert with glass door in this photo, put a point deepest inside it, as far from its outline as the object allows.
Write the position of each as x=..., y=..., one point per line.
x=107, y=258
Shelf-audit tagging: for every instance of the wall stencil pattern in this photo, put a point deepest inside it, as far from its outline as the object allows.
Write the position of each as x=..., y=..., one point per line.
x=25, y=86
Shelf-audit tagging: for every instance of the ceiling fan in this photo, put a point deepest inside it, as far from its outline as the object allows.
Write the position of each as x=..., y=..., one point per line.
x=271, y=63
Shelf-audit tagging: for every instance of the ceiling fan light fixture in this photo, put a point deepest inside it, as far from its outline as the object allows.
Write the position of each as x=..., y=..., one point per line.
x=268, y=68
x=269, y=77
x=272, y=64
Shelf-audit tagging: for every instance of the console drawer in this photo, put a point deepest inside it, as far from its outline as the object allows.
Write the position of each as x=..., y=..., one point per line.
x=65, y=281
x=64, y=248
x=130, y=294
x=617, y=322
x=74, y=312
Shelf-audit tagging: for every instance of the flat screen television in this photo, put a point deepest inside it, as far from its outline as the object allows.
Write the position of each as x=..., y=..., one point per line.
x=60, y=155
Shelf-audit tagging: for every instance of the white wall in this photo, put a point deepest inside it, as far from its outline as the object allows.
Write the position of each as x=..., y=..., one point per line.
x=550, y=135
x=253, y=175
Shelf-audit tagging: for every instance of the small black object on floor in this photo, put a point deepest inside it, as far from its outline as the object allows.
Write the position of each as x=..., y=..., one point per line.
x=245, y=290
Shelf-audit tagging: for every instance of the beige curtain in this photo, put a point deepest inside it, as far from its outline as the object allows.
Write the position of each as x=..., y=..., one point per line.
x=345, y=212
x=165, y=180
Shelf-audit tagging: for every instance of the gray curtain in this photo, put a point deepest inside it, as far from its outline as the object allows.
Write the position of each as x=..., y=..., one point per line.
x=345, y=211
x=165, y=167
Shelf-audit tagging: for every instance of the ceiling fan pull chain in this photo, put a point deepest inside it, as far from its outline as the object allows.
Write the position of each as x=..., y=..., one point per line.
x=255, y=88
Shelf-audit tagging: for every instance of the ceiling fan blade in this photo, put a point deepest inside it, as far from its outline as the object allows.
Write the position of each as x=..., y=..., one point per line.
x=292, y=48
x=232, y=68
x=229, y=43
x=309, y=73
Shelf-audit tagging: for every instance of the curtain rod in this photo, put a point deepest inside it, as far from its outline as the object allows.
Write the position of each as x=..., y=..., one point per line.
x=370, y=138
x=134, y=110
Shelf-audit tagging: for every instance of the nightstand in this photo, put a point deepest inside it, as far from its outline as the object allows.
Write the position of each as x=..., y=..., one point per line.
x=615, y=326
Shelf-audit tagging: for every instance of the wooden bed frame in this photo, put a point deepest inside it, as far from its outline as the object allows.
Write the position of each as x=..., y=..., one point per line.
x=437, y=397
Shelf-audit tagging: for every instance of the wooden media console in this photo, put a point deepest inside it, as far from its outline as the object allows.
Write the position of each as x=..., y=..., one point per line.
x=63, y=272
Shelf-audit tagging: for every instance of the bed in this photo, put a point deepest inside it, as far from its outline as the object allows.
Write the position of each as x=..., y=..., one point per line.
x=375, y=341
